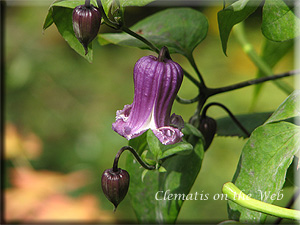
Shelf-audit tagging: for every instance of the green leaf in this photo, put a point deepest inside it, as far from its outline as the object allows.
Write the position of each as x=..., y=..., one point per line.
x=279, y=21
x=180, y=29
x=161, y=151
x=234, y=14
x=147, y=197
x=183, y=148
x=72, y=3
x=106, y=4
x=189, y=129
x=49, y=20
x=62, y=18
x=292, y=173
x=290, y=108
x=139, y=143
x=265, y=159
x=154, y=144
x=63, y=3
x=226, y=127
x=125, y=3
x=263, y=165
x=272, y=52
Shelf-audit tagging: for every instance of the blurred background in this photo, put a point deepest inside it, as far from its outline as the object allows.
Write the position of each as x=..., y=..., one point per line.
x=59, y=109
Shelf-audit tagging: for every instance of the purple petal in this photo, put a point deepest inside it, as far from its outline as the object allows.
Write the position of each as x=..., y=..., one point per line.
x=168, y=135
x=170, y=82
x=177, y=121
x=135, y=119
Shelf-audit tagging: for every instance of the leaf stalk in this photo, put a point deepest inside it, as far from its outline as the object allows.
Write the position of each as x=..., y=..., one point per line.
x=237, y=196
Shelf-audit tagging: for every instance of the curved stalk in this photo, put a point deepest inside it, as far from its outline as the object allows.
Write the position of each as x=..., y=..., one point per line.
x=237, y=196
x=187, y=101
x=230, y=114
x=136, y=155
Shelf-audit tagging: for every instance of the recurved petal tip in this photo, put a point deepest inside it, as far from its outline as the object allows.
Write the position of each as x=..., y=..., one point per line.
x=168, y=135
x=177, y=121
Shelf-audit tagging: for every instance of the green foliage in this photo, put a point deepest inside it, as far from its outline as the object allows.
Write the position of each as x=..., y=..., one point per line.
x=265, y=159
x=290, y=108
x=272, y=53
x=279, y=21
x=62, y=3
x=108, y=4
x=175, y=28
x=234, y=14
x=62, y=18
x=157, y=195
x=181, y=164
x=257, y=60
x=60, y=12
x=161, y=151
x=226, y=127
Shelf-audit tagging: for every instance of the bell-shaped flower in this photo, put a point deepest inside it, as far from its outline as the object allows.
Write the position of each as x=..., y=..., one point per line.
x=156, y=83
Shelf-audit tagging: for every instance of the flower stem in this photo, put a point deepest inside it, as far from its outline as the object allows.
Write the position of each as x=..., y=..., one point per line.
x=136, y=155
x=148, y=43
x=191, y=78
x=107, y=21
x=237, y=196
x=194, y=65
x=87, y=3
x=163, y=54
x=187, y=101
x=238, y=123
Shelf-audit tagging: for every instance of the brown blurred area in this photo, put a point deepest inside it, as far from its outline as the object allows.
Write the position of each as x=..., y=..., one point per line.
x=42, y=195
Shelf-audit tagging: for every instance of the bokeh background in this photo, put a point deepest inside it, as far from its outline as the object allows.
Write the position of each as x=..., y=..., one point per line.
x=59, y=109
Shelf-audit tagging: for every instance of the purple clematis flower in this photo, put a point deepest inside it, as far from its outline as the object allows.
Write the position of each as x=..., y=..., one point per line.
x=156, y=82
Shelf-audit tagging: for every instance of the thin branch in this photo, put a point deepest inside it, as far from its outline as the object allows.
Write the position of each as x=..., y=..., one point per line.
x=237, y=122
x=187, y=101
x=148, y=43
x=194, y=65
x=136, y=155
x=214, y=91
x=191, y=78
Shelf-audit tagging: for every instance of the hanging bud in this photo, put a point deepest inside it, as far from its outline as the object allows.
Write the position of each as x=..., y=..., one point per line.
x=86, y=24
x=208, y=128
x=115, y=185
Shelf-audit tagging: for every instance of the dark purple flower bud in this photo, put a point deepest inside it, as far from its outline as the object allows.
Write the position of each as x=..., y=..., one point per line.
x=115, y=185
x=208, y=128
x=86, y=24
x=156, y=83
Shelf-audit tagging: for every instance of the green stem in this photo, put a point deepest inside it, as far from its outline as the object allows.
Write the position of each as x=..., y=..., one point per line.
x=193, y=64
x=255, y=58
x=187, y=101
x=237, y=196
x=148, y=43
x=191, y=78
x=107, y=21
